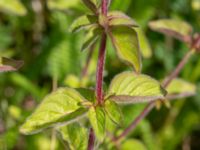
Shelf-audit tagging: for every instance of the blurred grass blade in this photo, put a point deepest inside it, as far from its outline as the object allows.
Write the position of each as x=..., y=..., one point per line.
x=128, y=87
x=175, y=28
x=125, y=41
x=7, y=64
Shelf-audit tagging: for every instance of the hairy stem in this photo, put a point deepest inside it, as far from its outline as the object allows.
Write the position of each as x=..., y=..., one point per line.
x=100, y=69
x=151, y=105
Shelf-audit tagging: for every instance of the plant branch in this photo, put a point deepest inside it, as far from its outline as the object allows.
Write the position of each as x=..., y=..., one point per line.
x=100, y=69
x=151, y=105
x=91, y=140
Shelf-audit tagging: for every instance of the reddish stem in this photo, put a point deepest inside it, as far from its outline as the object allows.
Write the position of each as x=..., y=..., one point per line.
x=100, y=69
x=91, y=140
x=151, y=105
x=104, y=7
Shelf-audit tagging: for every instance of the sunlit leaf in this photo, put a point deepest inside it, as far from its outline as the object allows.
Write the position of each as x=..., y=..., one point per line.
x=117, y=18
x=113, y=111
x=59, y=107
x=129, y=87
x=12, y=6
x=144, y=44
x=75, y=135
x=91, y=37
x=175, y=28
x=133, y=144
x=179, y=88
x=83, y=22
x=7, y=64
x=97, y=119
x=126, y=43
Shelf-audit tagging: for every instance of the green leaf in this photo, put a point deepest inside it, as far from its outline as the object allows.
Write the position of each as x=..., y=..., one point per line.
x=88, y=94
x=129, y=87
x=180, y=88
x=59, y=107
x=117, y=18
x=144, y=44
x=7, y=64
x=126, y=43
x=75, y=135
x=171, y=27
x=91, y=5
x=133, y=144
x=13, y=7
x=97, y=120
x=91, y=37
x=113, y=111
x=83, y=22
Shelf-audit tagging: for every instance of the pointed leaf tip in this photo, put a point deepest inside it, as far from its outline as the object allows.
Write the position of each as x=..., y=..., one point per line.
x=125, y=41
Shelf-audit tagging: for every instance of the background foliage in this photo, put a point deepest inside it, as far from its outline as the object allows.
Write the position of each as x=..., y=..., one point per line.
x=38, y=33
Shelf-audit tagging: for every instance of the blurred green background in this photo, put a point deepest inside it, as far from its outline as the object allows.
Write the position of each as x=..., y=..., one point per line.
x=36, y=31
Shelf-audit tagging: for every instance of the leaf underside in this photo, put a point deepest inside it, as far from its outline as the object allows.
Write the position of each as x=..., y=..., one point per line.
x=175, y=28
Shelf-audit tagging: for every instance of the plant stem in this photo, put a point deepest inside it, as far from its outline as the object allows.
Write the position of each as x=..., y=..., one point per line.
x=100, y=69
x=91, y=140
x=151, y=105
x=99, y=73
x=104, y=7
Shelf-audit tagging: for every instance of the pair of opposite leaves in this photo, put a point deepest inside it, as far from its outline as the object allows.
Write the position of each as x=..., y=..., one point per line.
x=127, y=87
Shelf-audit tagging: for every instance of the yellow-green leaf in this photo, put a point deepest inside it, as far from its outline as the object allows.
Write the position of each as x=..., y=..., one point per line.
x=175, y=28
x=113, y=111
x=129, y=87
x=145, y=46
x=7, y=64
x=13, y=6
x=83, y=22
x=180, y=88
x=126, y=43
x=97, y=119
x=133, y=144
x=117, y=18
x=61, y=106
x=76, y=136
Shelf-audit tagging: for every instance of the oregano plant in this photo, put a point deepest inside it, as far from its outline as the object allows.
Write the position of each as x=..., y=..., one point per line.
x=82, y=116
